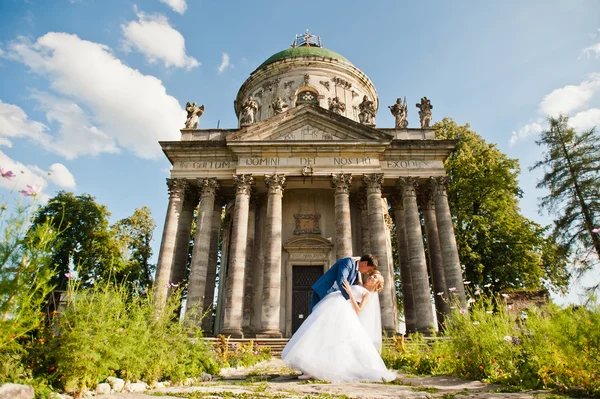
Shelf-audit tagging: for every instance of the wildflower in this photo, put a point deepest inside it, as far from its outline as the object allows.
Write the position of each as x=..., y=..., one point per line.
x=51, y=369
x=481, y=367
x=470, y=300
x=488, y=285
x=8, y=174
x=70, y=275
x=467, y=282
x=493, y=360
x=475, y=323
x=509, y=307
x=463, y=311
x=489, y=312
x=173, y=285
x=477, y=292
x=507, y=338
x=4, y=207
x=30, y=191
x=596, y=230
x=516, y=340
x=505, y=296
x=440, y=293
x=452, y=289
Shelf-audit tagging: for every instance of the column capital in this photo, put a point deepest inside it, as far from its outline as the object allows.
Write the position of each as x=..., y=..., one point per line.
x=243, y=183
x=275, y=183
x=178, y=188
x=341, y=182
x=438, y=185
x=208, y=186
x=408, y=186
x=373, y=181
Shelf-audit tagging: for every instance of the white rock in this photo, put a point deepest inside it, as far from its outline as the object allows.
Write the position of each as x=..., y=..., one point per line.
x=103, y=389
x=206, y=377
x=56, y=395
x=157, y=384
x=16, y=391
x=116, y=383
x=136, y=387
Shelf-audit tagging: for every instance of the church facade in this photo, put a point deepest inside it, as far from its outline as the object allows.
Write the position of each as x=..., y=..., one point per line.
x=304, y=180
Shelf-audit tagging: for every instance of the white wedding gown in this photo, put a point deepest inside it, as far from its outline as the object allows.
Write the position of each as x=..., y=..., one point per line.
x=333, y=345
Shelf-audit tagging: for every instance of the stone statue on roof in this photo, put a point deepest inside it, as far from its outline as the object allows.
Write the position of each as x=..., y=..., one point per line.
x=366, y=116
x=279, y=106
x=193, y=115
x=425, y=108
x=247, y=115
x=400, y=112
x=336, y=105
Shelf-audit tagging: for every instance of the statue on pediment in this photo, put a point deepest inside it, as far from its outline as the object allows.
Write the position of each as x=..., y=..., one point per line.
x=248, y=112
x=336, y=105
x=279, y=106
x=400, y=112
x=366, y=116
x=425, y=108
x=193, y=115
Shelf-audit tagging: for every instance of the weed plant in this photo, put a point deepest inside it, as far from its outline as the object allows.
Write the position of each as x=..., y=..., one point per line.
x=549, y=347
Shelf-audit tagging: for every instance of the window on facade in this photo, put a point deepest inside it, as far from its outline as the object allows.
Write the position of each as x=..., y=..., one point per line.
x=307, y=97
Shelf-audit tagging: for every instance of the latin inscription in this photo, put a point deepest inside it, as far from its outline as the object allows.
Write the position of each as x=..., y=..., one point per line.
x=262, y=161
x=206, y=165
x=351, y=161
x=398, y=164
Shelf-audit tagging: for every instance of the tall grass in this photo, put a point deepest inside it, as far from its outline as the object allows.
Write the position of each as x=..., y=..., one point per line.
x=547, y=347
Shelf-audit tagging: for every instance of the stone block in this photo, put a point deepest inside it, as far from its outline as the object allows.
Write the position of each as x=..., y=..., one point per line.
x=16, y=391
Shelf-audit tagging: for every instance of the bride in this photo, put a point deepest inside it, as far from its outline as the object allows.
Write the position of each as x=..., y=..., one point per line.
x=340, y=341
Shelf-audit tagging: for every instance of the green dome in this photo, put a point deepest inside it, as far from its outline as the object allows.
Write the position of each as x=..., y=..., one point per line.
x=303, y=51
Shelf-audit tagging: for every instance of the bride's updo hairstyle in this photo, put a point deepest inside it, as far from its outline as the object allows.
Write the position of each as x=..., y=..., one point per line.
x=380, y=280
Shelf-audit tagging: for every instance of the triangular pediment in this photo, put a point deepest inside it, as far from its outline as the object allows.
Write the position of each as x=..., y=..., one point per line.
x=308, y=123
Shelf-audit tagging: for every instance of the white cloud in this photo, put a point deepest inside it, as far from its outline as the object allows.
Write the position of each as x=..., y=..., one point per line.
x=77, y=135
x=224, y=62
x=585, y=120
x=526, y=131
x=57, y=174
x=570, y=98
x=153, y=36
x=14, y=123
x=177, y=5
x=593, y=49
x=131, y=108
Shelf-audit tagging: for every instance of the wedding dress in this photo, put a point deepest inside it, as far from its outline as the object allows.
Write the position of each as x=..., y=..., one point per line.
x=333, y=345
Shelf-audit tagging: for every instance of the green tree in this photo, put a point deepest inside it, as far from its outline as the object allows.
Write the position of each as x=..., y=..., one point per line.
x=84, y=242
x=571, y=167
x=497, y=244
x=134, y=234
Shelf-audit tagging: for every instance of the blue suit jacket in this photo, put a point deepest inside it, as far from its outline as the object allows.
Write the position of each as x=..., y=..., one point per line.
x=343, y=269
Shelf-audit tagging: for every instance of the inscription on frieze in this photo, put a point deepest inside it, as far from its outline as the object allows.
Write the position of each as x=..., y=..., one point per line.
x=307, y=255
x=410, y=164
x=204, y=165
x=309, y=161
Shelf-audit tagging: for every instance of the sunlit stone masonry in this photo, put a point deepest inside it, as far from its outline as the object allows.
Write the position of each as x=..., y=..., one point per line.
x=306, y=178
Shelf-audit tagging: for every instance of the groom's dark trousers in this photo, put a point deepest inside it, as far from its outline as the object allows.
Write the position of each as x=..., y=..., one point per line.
x=343, y=269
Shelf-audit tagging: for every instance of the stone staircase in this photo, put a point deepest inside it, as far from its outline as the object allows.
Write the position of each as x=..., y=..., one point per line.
x=276, y=344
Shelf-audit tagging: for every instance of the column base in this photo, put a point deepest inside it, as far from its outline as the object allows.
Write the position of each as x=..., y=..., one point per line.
x=233, y=333
x=269, y=334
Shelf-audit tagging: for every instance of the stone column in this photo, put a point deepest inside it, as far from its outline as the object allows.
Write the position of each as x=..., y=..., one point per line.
x=406, y=282
x=271, y=305
x=378, y=246
x=234, y=286
x=166, y=255
x=182, y=239
x=200, y=254
x=248, y=278
x=365, y=244
x=434, y=251
x=416, y=256
x=211, y=276
x=343, y=228
x=452, y=269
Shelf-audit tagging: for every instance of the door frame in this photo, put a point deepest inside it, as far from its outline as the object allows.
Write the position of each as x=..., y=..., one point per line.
x=303, y=250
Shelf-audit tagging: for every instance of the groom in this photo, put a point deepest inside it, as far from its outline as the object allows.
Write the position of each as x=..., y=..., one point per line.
x=343, y=269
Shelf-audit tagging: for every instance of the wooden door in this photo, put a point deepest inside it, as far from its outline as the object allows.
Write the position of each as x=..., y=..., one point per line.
x=303, y=277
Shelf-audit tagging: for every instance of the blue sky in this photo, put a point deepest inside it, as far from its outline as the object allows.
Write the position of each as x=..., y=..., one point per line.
x=88, y=87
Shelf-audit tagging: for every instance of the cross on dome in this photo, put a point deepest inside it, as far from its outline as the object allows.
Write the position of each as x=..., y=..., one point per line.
x=307, y=39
